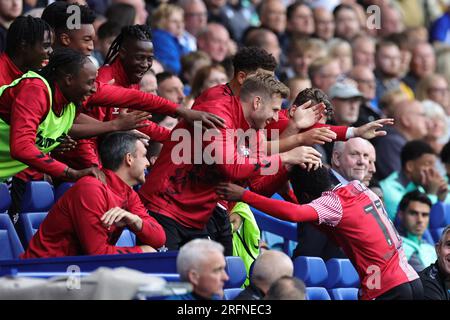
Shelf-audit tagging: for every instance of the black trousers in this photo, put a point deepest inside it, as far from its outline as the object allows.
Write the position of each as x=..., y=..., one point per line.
x=218, y=229
x=412, y=290
x=17, y=191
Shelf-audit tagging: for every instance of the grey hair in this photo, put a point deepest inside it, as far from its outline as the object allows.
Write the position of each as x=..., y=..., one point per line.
x=193, y=254
x=444, y=233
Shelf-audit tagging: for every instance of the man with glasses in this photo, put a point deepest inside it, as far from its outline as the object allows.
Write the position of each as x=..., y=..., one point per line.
x=195, y=19
x=324, y=72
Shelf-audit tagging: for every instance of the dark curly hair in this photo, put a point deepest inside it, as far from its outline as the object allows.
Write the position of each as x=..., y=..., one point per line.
x=250, y=59
x=309, y=185
x=316, y=96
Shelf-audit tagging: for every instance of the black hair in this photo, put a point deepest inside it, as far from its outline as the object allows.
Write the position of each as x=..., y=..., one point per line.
x=57, y=15
x=252, y=58
x=316, y=96
x=291, y=8
x=162, y=76
x=309, y=185
x=63, y=61
x=445, y=153
x=26, y=30
x=341, y=7
x=413, y=150
x=137, y=32
x=108, y=29
x=415, y=195
x=115, y=146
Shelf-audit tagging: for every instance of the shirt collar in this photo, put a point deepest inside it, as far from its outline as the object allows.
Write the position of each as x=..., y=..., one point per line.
x=116, y=183
x=340, y=178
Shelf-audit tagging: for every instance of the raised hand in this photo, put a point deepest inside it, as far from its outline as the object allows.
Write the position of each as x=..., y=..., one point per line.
x=131, y=120
x=317, y=136
x=74, y=175
x=369, y=130
x=306, y=115
x=230, y=191
x=208, y=120
x=306, y=157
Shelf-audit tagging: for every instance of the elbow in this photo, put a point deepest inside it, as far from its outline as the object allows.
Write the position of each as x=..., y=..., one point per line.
x=17, y=154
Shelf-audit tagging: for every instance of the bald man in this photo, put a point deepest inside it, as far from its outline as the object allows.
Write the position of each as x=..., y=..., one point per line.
x=410, y=123
x=215, y=41
x=324, y=22
x=270, y=266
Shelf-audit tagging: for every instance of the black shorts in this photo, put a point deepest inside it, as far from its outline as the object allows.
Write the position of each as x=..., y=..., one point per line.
x=176, y=234
x=412, y=290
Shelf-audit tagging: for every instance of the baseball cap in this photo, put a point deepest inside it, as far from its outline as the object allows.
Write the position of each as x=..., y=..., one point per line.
x=344, y=90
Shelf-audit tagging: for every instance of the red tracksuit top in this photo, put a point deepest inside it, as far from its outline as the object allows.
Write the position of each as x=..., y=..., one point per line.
x=355, y=218
x=26, y=105
x=73, y=226
x=85, y=155
x=185, y=192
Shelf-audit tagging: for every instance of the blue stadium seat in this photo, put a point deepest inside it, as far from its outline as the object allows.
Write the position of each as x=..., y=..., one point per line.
x=61, y=189
x=231, y=294
x=38, y=197
x=436, y=233
x=344, y=293
x=439, y=215
x=10, y=246
x=312, y=270
x=341, y=274
x=127, y=239
x=317, y=293
x=30, y=223
x=428, y=237
x=5, y=198
x=237, y=274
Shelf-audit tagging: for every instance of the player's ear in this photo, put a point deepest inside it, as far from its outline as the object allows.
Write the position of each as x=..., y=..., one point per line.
x=241, y=76
x=64, y=39
x=193, y=277
x=128, y=159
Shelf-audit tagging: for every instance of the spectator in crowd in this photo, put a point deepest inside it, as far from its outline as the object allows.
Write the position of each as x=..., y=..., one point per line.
x=423, y=63
x=170, y=87
x=365, y=81
x=410, y=123
x=437, y=133
x=324, y=23
x=391, y=21
x=445, y=159
x=215, y=41
x=342, y=51
x=264, y=39
x=301, y=53
x=390, y=100
x=324, y=73
x=440, y=29
x=387, y=72
x=346, y=100
x=300, y=20
x=270, y=266
x=287, y=288
x=201, y=263
x=354, y=217
x=369, y=179
x=414, y=216
x=363, y=51
x=195, y=19
x=139, y=6
x=246, y=235
x=168, y=27
x=205, y=78
x=107, y=32
x=190, y=64
x=347, y=22
x=9, y=10
x=297, y=85
x=417, y=172
x=435, y=277
x=403, y=43
x=149, y=83
x=121, y=13
x=272, y=14
x=90, y=217
x=434, y=87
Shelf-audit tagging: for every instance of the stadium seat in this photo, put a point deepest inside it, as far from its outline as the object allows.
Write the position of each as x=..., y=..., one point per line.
x=127, y=239
x=439, y=215
x=341, y=274
x=436, y=233
x=312, y=270
x=38, y=197
x=61, y=189
x=317, y=293
x=30, y=223
x=230, y=294
x=10, y=246
x=428, y=237
x=236, y=271
x=344, y=293
x=5, y=198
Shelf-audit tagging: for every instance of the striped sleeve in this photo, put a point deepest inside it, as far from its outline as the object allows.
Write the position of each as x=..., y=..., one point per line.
x=328, y=208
